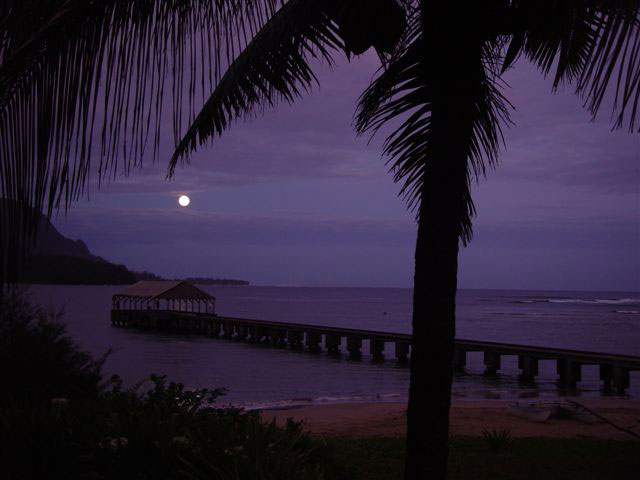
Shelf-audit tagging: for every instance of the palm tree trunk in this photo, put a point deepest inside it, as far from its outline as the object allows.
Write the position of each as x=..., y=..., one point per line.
x=451, y=73
x=434, y=304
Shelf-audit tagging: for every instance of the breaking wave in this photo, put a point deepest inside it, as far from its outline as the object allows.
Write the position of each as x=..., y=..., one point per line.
x=326, y=400
x=582, y=301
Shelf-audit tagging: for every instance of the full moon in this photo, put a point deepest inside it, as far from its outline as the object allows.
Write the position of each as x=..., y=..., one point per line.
x=184, y=200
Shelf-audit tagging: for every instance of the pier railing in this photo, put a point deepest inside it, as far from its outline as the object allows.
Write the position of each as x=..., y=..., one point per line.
x=614, y=369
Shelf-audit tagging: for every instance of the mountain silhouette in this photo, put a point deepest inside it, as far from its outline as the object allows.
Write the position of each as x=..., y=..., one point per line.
x=56, y=259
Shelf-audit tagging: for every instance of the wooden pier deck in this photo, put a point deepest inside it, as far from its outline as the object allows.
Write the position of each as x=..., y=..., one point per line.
x=614, y=369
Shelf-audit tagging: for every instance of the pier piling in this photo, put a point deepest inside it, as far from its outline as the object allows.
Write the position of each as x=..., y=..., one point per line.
x=376, y=348
x=620, y=379
x=216, y=328
x=262, y=334
x=529, y=367
x=252, y=334
x=313, y=341
x=294, y=339
x=228, y=329
x=570, y=372
x=606, y=375
x=491, y=363
x=242, y=332
x=279, y=337
x=402, y=352
x=332, y=343
x=354, y=344
x=459, y=359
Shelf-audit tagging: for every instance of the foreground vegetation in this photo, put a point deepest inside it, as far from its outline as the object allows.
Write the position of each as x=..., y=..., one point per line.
x=59, y=420
x=479, y=458
x=163, y=433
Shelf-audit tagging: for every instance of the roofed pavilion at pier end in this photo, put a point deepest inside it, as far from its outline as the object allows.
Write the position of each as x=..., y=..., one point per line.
x=171, y=295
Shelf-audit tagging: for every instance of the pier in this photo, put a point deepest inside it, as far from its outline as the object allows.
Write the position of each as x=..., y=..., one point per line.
x=614, y=369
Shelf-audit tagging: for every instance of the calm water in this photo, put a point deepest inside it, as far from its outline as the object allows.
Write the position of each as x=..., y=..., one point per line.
x=256, y=375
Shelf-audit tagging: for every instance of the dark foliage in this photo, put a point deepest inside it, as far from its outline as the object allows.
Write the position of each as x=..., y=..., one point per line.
x=166, y=432
x=58, y=422
x=38, y=361
x=367, y=23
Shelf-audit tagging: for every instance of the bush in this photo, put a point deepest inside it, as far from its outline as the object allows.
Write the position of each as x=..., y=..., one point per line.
x=58, y=422
x=38, y=361
x=163, y=433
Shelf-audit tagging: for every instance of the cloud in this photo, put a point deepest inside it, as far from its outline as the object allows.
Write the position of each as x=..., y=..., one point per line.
x=294, y=197
x=571, y=251
x=147, y=226
x=279, y=248
x=313, y=138
x=554, y=140
x=587, y=234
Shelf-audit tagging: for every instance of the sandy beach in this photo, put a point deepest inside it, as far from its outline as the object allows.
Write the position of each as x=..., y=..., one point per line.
x=468, y=418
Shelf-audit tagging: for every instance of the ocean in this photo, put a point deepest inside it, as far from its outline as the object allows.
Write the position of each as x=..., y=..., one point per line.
x=257, y=376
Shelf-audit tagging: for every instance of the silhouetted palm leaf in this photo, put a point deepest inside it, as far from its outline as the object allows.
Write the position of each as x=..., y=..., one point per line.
x=615, y=56
x=403, y=90
x=589, y=43
x=129, y=46
x=274, y=66
x=585, y=42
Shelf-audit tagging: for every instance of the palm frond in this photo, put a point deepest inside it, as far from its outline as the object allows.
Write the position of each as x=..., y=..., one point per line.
x=74, y=73
x=589, y=43
x=274, y=66
x=551, y=33
x=403, y=92
x=615, y=56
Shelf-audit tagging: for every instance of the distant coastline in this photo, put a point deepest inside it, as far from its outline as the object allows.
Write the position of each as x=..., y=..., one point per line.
x=215, y=281
x=195, y=280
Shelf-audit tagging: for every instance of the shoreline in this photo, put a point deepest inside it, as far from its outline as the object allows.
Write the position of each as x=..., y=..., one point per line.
x=486, y=398
x=467, y=418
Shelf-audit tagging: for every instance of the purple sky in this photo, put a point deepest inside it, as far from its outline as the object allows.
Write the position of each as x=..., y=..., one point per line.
x=294, y=198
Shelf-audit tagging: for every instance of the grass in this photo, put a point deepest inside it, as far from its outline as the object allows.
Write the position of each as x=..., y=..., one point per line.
x=474, y=458
x=497, y=440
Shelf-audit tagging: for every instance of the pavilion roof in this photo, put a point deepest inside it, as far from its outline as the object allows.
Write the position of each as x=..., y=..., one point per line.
x=164, y=289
